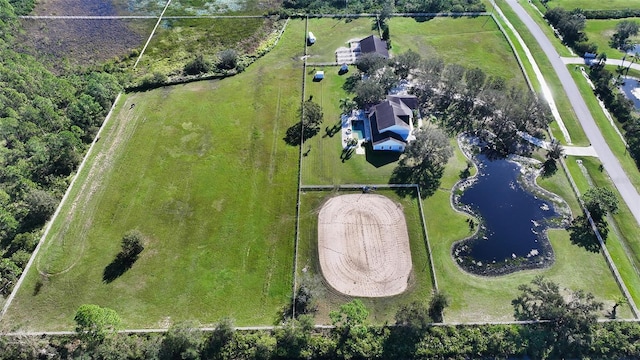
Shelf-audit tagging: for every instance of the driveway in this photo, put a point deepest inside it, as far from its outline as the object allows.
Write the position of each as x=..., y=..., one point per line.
x=610, y=162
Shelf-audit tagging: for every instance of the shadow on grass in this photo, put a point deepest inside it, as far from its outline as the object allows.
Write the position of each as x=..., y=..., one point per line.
x=380, y=158
x=428, y=177
x=118, y=266
x=581, y=234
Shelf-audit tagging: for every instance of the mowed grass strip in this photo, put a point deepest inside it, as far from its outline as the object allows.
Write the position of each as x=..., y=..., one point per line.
x=203, y=172
x=623, y=238
x=468, y=41
x=476, y=298
x=607, y=129
x=328, y=299
x=595, y=4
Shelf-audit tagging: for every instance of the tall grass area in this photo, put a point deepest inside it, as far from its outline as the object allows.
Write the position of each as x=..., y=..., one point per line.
x=202, y=172
x=310, y=274
x=595, y=4
x=623, y=240
x=178, y=41
x=600, y=32
x=476, y=298
x=565, y=109
x=468, y=41
x=607, y=129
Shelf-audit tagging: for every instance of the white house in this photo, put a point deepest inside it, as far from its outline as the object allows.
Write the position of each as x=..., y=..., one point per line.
x=391, y=122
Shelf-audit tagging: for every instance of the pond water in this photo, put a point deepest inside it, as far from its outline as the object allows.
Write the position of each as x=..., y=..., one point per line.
x=634, y=50
x=512, y=231
x=630, y=87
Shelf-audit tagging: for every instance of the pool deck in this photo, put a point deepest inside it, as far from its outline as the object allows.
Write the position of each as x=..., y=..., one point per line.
x=348, y=133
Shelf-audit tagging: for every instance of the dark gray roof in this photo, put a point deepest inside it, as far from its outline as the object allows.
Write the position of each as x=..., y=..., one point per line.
x=386, y=114
x=410, y=100
x=373, y=44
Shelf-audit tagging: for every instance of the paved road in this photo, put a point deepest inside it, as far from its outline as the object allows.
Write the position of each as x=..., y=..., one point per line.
x=610, y=162
x=617, y=62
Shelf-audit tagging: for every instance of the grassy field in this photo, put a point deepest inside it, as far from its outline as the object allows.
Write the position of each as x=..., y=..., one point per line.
x=600, y=32
x=381, y=309
x=202, y=171
x=471, y=42
x=475, y=298
x=334, y=33
x=614, y=141
x=595, y=4
x=565, y=109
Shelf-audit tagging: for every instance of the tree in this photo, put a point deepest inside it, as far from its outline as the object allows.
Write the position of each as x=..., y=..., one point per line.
x=369, y=92
x=183, y=340
x=624, y=30
x=9, y=274
x=415, y=316
x=571, y=321
x=311, y=117
x=600, y=201
x=439, y=301
x=423, y=160
x=132, y=244
x=95, y=322
x=347, y=105
x=369, y=63
x=554, y=153
x=227, y=59
x=197, y=66
x=405, y=62
x=41, y=205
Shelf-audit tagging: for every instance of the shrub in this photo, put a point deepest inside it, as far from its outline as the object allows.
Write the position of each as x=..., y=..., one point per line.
x=197, y=66
x=228, y=59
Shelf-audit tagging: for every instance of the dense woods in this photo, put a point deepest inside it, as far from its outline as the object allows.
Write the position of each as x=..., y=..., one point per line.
x=383, y=6
x=47, y=121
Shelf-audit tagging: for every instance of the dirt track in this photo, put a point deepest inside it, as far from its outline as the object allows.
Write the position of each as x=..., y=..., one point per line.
x=363, y=245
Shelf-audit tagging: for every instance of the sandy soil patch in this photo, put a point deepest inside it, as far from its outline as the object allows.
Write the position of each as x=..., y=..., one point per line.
x=363, y=245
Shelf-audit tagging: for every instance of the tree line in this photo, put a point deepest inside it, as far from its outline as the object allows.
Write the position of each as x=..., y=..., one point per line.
x=378, y=6
x=568, y=329
x=47, y=121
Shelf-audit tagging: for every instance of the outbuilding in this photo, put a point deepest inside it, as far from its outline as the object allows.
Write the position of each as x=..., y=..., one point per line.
x=311, y=38
x=318, y=76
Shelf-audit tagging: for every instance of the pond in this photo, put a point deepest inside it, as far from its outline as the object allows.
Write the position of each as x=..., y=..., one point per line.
x=512, y=231
x=631, y=89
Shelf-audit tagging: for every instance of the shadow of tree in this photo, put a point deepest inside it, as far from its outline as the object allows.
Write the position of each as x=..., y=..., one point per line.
x=117, y=267
x=293, y=134
x=427, y=176
x=549, y=168
x=581, y=234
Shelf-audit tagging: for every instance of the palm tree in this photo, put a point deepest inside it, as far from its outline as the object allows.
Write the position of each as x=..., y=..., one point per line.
x=555, y=150
x=347, y=105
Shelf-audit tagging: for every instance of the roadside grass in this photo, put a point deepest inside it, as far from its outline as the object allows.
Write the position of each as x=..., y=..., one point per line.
x=624, y=243
x=334, y=33
x=476, y=298
x=202, y=171
x=595, y=4
x=565, y=109
x=178, y=41
x=607, y=129
x=531, y=7
x=381, y=309
x=600, y=32
x=468, y=41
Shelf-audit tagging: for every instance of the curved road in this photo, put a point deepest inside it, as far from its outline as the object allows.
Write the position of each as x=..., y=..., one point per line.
x=610, y=162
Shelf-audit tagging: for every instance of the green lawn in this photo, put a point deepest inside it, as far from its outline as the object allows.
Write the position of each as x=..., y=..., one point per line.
x=334, y=33
x=475, y=298
x=202, y=171
x=381, y=309
x=565, y=109
x=600, y=32
x=468, y=41
x=595, y=4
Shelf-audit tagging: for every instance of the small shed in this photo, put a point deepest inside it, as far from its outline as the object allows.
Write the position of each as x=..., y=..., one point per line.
x=343, y=69
x=589, y=58
x=318, y=76
x=311, y=38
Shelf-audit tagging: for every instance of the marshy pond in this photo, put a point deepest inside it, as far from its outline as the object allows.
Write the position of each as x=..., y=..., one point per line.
x=513, y=214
